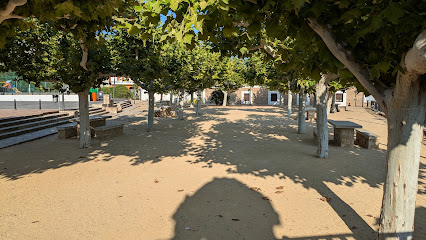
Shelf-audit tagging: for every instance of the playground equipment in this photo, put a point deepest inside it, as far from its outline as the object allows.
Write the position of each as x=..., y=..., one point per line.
x=15, y=90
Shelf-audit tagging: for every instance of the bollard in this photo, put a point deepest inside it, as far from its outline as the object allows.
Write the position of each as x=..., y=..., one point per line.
x=14, y=103
x=39, y=104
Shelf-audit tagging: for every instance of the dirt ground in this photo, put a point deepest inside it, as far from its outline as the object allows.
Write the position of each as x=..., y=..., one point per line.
x=239, y=172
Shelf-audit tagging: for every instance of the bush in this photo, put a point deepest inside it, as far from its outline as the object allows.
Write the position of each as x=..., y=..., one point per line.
x=217, y=97
x=121, y=91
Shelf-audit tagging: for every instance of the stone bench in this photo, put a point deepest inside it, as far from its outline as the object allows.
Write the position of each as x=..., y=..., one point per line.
x=366, y=139
x=159, y=113
x=67, y=132
x=108, y=131
x=165, y=111
x=315, y=134
x=337, y=106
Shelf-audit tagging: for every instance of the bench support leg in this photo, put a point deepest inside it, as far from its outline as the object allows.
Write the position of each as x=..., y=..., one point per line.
x=344, y=137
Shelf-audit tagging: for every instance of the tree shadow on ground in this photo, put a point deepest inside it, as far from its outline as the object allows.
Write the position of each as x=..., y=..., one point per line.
x=48, y=151
x=225, y=209
x=228, y=209
x=245, y=147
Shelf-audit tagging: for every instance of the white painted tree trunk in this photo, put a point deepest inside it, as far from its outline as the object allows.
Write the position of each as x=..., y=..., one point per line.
x=83, y=108
x=197, y=110
x=301, y=117
x=225, y=98
x=180, y=105
x=321, y=106
x=289, y=103
x=151, y=99
x=171, y=97
x=314, y=102
x=333, y=104
x=191, y=105
x=406, y=117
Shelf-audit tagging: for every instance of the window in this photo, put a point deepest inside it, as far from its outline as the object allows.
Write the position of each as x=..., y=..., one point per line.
x=246, y=97
x=339, y=97
x=274, y=97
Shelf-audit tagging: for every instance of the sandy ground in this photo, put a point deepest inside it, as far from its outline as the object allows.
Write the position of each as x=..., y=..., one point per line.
x=232, y=173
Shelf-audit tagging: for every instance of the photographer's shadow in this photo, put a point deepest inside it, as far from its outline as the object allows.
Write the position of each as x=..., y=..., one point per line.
x=225, y=209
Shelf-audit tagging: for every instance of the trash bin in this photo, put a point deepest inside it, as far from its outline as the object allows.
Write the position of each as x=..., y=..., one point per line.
x=94, y=96
x=55, y=98
x=100, y=95
x=93, y=92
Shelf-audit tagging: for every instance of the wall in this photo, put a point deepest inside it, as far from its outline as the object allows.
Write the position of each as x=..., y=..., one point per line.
x=259, y=96
x=34, y=98
x=351, y=95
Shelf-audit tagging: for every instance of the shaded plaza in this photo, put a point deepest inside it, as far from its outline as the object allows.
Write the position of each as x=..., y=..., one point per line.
x=240, y=172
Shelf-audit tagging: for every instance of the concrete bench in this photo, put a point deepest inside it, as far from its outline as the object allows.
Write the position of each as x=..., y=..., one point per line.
x=67, y=132
x=310, y=113
x=366, y=139
x=108, y=131
x=315, y=134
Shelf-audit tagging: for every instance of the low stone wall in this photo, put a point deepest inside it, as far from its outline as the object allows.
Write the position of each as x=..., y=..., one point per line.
x=108, y=131
x=366, y=140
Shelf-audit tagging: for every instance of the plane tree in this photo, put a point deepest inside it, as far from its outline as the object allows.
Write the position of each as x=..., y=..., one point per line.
x=140, y=59
x=229, y=76
x=382, y=44
x=205, y=63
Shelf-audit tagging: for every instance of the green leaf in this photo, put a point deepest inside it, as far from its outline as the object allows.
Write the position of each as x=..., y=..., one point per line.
x=174, y=4
x=134, y=30
x=138, y=8
x=298, y=3
x=243, y=50
x=345, y=73
x=394, y=12
x=162, y=38
x=228, y=32
x=383, y=66
x=187, y=39
x=179, y=36
x=343, y=3
x=203, y=5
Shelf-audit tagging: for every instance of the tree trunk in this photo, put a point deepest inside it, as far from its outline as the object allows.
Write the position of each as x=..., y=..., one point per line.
x=63, y=102
x=301, y=117
x=83, y=108
x=321, y=97
x=151, y=110
x=406, y=116
x=192, y=100
x=197, y=111
x=289, y=102
x=333, y=104
x=180, y=105
x=171, y=98
x=314, y=102
x=161, y=98
x=225, y=98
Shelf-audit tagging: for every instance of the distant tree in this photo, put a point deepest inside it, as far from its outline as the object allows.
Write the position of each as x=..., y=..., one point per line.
x=121, y=91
